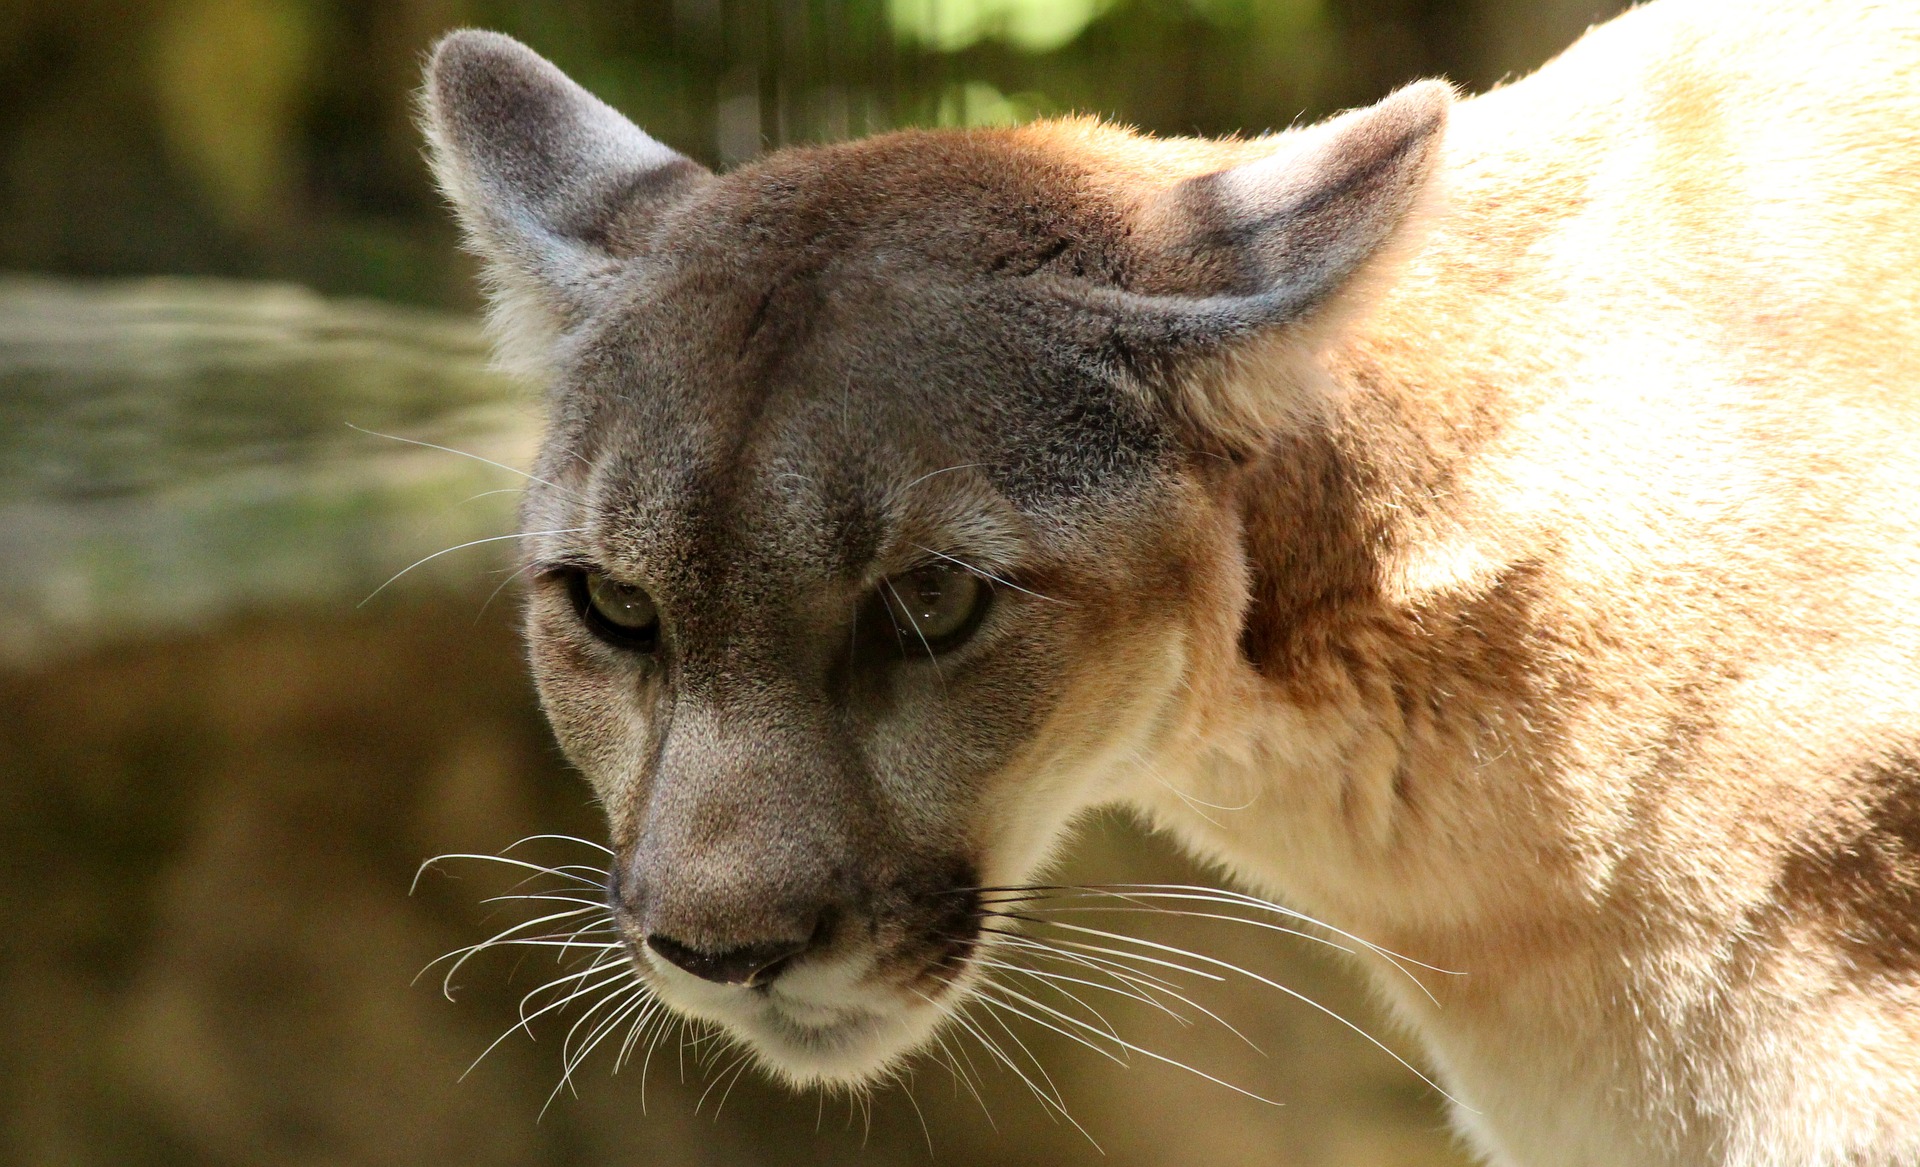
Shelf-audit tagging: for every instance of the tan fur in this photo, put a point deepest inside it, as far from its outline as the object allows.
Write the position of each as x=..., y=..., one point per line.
x=1542, y=585
x=1612, y=699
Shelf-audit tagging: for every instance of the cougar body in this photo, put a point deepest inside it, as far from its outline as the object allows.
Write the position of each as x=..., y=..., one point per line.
x=1510, y=507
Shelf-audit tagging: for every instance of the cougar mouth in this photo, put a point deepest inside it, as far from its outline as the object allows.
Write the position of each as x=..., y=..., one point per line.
x=844, y=1014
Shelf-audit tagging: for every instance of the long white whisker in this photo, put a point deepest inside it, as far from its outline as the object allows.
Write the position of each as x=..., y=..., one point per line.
x=905, y=1083
x=1048, y=949
x=716, y=1081
x=526, y=1020
x=536, y=868
x=549, y=897
x=624, y=1000
x=1123, y=954
x=1043, y=913
x=984, y=574
x=569, y=1061
x=1176, y=891
x=578, y=978
x=738, y=1073
x=465, y=454
x=1039, y=1066
x=642, y=1021
x=1050, y=1103
x=462, y=547
x=987, y=994
x=938, y=473
x=960, y=1075
x=1139, y=1049
x=1150, y=984
x=521, y=842
x=669, y=1022
x=460, y=956
x=1057, y=980
x=916, y=631
x=1223, y=896
x=1270, y=983
x=502, y=586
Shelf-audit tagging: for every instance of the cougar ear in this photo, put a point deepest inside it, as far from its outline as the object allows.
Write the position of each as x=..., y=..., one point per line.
x=1270, y=250
x=554, y=187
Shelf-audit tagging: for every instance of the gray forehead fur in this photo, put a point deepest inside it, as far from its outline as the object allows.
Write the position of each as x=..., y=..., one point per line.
x=777, y=366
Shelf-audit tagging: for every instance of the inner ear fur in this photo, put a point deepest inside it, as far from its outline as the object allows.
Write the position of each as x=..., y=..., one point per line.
x=1271, y=258
x=555, y=189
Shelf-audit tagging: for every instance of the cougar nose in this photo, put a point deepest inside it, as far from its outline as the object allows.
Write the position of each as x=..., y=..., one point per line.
x=749, y=964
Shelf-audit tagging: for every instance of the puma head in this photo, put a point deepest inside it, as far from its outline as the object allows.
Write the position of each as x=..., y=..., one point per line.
x=881, y=524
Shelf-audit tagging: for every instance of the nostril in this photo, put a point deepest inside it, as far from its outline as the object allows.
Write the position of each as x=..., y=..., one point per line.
x=749, y=964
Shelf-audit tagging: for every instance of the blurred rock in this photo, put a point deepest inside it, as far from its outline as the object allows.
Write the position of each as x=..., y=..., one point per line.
x=175, y=451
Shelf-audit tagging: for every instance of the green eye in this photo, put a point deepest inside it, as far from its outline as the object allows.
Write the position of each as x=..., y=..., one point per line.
x=617, y=613
x=936, y=607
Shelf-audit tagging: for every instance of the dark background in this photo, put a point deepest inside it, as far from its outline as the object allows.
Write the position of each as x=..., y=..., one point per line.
x=221, y=762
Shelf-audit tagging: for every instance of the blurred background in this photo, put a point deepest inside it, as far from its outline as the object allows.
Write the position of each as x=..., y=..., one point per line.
x=227, y=290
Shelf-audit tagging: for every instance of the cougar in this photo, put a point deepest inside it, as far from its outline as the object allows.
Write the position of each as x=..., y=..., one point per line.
x=1490, y=526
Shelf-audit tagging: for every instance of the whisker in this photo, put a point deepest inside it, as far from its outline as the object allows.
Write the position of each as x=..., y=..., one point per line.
x=536, y=868
x=549, y=897
x=1122, y=954
x=462, y=547
x=503, y=585
x=1270, y=983
x=1242, y=899
x=1038, y=1066
x=578, y=977
x=570, y=1060
x=491, y=493
x=551, y=836
x=1149, y=983
x=906, y=1087
x=1050, y=1104
x=1176, y=891
x=1139, y=1049
x=728, y=1092
x=985, y=574
x=1043, y=946
x=960, y=1076
x=1050, y=977
x=916, y=631
x=460, y=956
x=668, y=1020
x=938, y=473
x=526, y=1020
x=642, y=1021
x=465, y=454
x=1057, y=982
x=1041, y=915
x=716, y=1081
x=987, y=994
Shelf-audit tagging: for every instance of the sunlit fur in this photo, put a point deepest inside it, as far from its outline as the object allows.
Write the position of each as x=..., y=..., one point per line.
x=1505, y=550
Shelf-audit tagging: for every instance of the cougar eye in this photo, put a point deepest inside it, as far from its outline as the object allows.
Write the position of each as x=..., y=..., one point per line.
x=617, y=613
x=935, y=607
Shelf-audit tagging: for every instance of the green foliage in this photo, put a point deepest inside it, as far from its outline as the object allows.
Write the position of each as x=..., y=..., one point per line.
x=274, y=137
